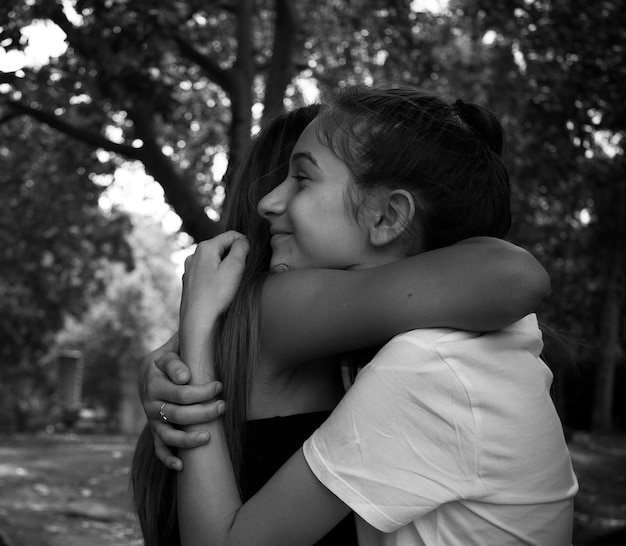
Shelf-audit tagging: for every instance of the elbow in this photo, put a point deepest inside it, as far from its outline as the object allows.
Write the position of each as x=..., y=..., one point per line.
x=541, y=286
x=529, y=284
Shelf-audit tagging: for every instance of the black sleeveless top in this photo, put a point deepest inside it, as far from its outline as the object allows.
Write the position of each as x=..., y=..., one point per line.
x=269, y=443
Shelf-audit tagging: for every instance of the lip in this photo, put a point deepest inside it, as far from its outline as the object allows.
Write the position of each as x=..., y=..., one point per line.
x=279, y=235
x=278, y=238
x=279, y=231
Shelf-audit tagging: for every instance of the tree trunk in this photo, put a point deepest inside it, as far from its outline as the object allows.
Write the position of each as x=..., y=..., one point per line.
x=602, y=417
x=178, y=191
x=281, y=67
x=613, y=312
x=241, y=93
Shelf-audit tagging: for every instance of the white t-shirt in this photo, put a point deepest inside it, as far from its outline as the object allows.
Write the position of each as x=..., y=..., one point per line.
x=451, y=438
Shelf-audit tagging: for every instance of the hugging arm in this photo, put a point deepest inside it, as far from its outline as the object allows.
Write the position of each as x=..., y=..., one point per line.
x=163, y=377
x=479, y=284
x=294, y=507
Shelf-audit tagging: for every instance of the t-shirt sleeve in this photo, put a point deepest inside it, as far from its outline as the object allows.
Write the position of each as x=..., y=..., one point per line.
x=402, y=440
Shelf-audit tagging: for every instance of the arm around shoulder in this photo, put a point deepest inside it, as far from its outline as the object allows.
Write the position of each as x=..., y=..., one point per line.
x=520, y=281
x=480, y=284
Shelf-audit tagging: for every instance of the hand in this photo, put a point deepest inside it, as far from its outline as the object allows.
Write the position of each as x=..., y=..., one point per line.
x=212, y=276
x=163, y=379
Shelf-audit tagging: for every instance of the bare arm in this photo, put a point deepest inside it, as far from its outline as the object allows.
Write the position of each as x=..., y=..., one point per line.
x=480, y=284
x=211, y=277
x=294, y=507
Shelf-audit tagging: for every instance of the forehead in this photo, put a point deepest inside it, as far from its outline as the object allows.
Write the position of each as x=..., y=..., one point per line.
x=309, y=138
x=317, y=151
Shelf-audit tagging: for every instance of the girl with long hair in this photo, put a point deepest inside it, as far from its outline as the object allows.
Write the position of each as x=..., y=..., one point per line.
x=345, y=310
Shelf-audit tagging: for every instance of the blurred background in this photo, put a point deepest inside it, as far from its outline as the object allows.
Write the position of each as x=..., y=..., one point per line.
x=120, y=124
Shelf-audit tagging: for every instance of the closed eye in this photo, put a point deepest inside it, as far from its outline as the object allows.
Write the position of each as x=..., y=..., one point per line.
x=300, y=179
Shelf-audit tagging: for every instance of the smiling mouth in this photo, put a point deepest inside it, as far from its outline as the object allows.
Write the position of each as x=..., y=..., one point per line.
x=279, y=234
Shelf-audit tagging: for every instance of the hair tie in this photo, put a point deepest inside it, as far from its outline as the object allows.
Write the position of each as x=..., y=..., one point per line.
x=461, y=108
x=467, y=115
x=482, y=124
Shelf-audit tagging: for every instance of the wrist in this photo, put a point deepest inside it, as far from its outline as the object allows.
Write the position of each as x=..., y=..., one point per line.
x=196, y=350
x=197, y=325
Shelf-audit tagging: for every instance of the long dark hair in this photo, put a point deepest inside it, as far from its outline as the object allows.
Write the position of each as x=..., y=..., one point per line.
x=237, y=342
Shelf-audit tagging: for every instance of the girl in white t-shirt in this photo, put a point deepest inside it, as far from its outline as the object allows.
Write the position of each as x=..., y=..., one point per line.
x=378, y=176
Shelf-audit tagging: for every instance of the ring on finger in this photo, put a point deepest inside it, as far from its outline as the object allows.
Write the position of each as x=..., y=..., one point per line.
x=161, y=413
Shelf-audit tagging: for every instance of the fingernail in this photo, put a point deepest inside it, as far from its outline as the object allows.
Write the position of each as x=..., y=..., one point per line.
x=181, y=376
x=176, y=465
x=221, y=407
x=202, y=437
x=219, y=388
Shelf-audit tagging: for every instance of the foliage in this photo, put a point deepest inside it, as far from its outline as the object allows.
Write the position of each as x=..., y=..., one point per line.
x=177, y=85
x=560, y=74
x=54, y=239
x=137, y=312
x=173, y=85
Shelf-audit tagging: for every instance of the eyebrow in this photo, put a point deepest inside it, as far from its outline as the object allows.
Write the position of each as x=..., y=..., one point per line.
x=304, y=155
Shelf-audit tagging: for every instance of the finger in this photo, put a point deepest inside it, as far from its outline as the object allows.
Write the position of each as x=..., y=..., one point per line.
x=172, y=366
x=234, y=262
x=171, y=345
x=238, y=251
x=219, y=245
x=174, y=437
x=182, y=395
x=195, y=414
x=164, y=455
x=164, y=390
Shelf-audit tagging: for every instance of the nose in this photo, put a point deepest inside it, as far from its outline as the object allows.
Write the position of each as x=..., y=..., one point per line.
x=275, y=202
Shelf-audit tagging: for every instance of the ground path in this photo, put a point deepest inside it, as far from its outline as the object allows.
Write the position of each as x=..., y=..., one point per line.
x=72, y=490
x=66, y=490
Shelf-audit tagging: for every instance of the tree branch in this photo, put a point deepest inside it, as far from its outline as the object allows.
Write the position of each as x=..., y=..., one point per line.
x=179, y=193
x=88, y=137
x=214, y=71
x=58, y=17
x=8, y=117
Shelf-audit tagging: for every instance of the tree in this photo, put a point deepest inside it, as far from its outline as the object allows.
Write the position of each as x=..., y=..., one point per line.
x=176, y=86
x=560, y=69
x=170, y=79
x=53, y=239
x=137, y=312
x=172, y=85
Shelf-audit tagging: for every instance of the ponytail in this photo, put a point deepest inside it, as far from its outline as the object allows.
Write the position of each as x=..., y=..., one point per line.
x=484, y=125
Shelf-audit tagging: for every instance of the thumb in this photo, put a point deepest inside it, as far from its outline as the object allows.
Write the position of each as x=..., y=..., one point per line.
x=237, y=253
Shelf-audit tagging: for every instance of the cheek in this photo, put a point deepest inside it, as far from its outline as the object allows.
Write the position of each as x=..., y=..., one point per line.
x=304, y=211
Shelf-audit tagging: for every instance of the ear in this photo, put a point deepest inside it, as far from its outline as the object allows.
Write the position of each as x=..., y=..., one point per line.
x=394, y=211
